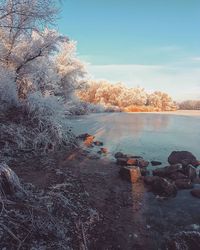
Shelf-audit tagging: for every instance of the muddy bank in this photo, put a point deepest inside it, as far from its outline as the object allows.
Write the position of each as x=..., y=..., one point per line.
x=52, y=212
x=101, y=211
x=88, y=206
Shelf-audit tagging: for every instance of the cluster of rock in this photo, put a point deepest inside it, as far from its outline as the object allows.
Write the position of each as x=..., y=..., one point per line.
x=166, y=181
x=88, y=141
x=132, y=167
x=180, y=174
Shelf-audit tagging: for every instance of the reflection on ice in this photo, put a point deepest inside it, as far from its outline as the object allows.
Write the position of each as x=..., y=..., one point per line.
x=153, y=136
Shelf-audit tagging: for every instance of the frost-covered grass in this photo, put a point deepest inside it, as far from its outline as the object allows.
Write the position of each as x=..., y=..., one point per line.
x=57, y=217
x=37, y=124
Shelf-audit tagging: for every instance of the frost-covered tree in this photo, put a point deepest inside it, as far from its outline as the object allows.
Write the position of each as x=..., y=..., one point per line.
x=40, y=58
x=89, y=92
x=133, y=96
x=27, y=15
x=155, y=100
x=161, y=101
x=70, y=70
x=190, y=105
x=24, y=38
x=102, y=92
x=26, y=53
x=115, y=92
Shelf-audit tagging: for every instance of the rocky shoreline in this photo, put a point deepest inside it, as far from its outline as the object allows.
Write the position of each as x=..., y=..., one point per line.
x=164, y=182
x=181, y=173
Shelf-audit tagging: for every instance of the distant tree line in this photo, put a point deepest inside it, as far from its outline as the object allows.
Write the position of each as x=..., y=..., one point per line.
x=124, y=98
x=190, y=105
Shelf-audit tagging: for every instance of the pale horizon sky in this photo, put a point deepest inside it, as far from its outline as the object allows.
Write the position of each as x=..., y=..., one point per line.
x=152, y=44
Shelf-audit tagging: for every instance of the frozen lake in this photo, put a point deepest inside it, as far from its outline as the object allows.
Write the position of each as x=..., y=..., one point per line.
x=151, y=135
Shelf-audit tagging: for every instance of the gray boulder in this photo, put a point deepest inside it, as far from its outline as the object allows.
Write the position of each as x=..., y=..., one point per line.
x=183, y=157
x=161, y=186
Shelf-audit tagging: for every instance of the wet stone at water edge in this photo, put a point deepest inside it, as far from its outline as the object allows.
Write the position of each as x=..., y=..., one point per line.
x=130, y=173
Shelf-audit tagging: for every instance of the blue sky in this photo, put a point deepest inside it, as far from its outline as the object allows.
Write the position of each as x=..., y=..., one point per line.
x=151, y=43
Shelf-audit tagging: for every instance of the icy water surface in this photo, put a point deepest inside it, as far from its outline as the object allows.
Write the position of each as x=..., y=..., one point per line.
x=153, y=136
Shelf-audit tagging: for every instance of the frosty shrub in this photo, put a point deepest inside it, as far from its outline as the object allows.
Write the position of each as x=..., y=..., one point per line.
x=79, y=107
x=8, y=90
x=46, y=114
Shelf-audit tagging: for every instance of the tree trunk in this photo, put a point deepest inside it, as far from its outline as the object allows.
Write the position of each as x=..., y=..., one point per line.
x=9, y=181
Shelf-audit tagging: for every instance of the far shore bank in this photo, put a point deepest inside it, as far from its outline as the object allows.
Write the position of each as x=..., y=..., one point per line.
x=177, y=112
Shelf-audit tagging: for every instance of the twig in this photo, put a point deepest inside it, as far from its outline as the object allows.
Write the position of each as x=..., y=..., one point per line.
x=10, y=232
x=20, y=244
x=84, y=236
x=3, y=207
